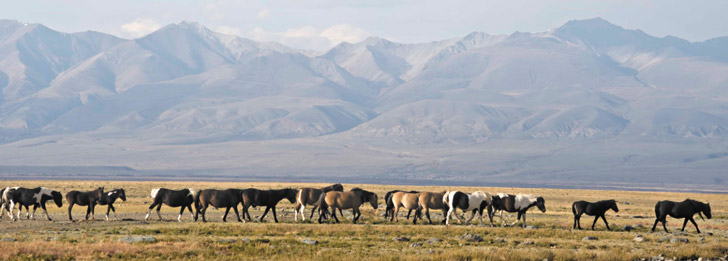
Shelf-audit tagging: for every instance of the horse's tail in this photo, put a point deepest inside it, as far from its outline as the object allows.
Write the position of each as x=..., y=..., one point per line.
x=154, y=193
x=323, y=206
x=657, y=209
x=573, y=208
x=197, y=201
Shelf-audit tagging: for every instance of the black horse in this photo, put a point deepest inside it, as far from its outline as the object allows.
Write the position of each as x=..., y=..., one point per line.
x=109, y=198
x=36, y=197
x=686, y=209
x=88, y=198
x=390, y=205
x=174, y=198
x=267, y=198
x=593, y=209
x=229, y=198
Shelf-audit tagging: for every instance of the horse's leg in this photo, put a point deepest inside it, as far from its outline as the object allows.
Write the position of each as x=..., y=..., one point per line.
x=224, y=217
x=43, y=206
x=409, y=213
x=108, y=209
x=685, y=222
x=154, y=204
x=264, y=213
x=181, y=211
x=70, y=206
x=189, y=207
x=113, y=209
x=664, y=220
x=395, y=214
x=313, y=209
x=655, y=225
x=695, y=224
x=275, y=217
x=427, y=214
x=605, y=222
x=595, y=221
x=576, y=220
x=354, y=211
x=35, y=207
x=449, y=213
x=333, y=211
x=235, y=208
x=524, y=219
x=88, y=211
x=471, y=218
x=203, y=211
x=517, y=219
x=159, y=207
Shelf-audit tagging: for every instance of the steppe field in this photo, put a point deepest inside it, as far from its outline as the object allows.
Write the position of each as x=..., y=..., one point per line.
x=549, y=237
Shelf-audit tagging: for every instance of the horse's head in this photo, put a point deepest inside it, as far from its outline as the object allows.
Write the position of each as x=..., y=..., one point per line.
x=290, y=194
x=373, y=199
x=706, y=210
x=337, y=187
x=541, y=204
x=57, y=198
x=613, y=205
x=122, y=194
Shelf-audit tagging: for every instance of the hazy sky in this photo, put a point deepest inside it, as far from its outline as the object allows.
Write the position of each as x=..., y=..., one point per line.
x=319, y=24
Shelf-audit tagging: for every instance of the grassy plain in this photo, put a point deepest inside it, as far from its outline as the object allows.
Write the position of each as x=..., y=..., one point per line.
x=552, y=239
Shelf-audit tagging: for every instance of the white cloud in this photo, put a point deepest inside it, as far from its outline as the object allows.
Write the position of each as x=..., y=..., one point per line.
x=140, y=27
x=308, y=37
x=263, y=13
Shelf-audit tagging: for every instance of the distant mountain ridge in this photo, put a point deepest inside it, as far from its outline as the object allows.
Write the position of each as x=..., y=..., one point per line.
x=626, y=101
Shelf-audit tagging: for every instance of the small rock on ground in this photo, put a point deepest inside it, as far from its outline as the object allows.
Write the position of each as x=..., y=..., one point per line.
x=589, y=239
x=309, y=241
x=627, y=228
x=137, y=239
x=679, y=240
x=664, y=239
x=227, y=240
x=471, y=237
x=416, y=244
x=433, y=240
x=401, y=239
x=640, y=238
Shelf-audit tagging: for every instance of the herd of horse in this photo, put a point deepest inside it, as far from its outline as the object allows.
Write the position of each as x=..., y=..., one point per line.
x=332, y=198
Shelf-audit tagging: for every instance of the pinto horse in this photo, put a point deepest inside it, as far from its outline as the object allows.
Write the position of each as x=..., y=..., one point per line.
x=596, y=209
x=390, y=205
x=311, y=196
x=475, y=202
x=267, y=198
x=686, y=209
x=229, y=198
x=352, y=199
x=109, y=198
x=23, y=197
x=174, y=198
x=88, y=198
x=518, y=203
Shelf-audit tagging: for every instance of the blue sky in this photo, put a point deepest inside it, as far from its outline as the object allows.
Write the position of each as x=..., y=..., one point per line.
x=313, y=24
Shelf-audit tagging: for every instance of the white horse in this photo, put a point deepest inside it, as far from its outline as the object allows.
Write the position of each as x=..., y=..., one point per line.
x=474, y=202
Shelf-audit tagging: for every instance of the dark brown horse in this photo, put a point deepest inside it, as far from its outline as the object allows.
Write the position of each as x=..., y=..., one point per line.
x=88, y=198
x=174, y=198
x=596, y=209
x=229, y=198
x=267, y=198
x=686, y=209
x=108, y=198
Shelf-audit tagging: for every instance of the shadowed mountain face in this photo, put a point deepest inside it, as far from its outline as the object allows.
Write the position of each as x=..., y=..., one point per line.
x=586, y=102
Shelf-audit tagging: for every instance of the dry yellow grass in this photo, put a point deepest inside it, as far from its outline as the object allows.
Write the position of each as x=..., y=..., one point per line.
x=553, y=239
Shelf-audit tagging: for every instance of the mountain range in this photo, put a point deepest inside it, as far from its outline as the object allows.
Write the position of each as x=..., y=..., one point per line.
x=587, y=103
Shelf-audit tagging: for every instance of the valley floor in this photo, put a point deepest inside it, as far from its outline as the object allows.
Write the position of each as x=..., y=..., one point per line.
x=549, y=237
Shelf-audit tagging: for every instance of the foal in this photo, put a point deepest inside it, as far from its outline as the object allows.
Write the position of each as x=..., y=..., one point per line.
x=88, y=198
x=267, y=198
x=593, y=209
x=109, y=198
x=686, y=209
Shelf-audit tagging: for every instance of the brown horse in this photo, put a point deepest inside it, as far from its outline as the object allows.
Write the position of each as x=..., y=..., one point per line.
x=352, y=199
x=432, y=200
x=88, y=198
x=312, y=196
x=409, y=201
